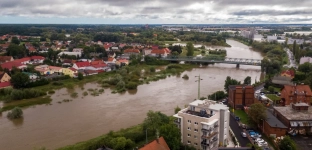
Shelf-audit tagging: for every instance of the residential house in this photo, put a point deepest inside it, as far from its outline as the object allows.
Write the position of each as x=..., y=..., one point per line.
x=241, y=95
x=80, y=50
x=111, y=54
x=122, y=45
x=296, y=94
x=32, y=76
x=90, y=72
x=81, y=65
x=132, y=52
x=5, y=85
x=11, y=64
x=115, y=49
x=56, y=69
x=158, y=144
x=68, y=62
x=70, y=54
x=288, y=73
x=111, y=60
x=4, y=59
x=4, y=77
x=147, y=51
x=70, y=71
x=43, y=69
x=4, y=46
x=122, y=62
x=204, y=124
x=32, y=49
x=305, y=60
x=160, y=52
x=282, y=80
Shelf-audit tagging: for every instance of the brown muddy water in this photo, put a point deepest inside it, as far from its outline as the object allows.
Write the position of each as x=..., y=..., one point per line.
x=86, y=117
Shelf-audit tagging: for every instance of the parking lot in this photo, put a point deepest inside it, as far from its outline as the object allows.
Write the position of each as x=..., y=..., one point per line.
x=303, y=142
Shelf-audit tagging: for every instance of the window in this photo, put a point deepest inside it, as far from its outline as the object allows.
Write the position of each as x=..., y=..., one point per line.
x=195, y=130
x=195, y=136
x=188, y=128
x=189, y=121
x=195, y=144
x=196, y=123
x=188, y=142
x=188, y=135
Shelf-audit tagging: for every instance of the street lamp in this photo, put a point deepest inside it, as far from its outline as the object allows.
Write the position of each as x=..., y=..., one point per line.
x=198, y=80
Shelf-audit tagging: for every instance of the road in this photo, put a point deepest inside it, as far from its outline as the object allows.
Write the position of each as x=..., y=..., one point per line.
x=292, y=62
x=237, y=131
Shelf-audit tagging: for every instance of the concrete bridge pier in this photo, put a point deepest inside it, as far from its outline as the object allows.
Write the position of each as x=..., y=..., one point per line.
x=237, y=65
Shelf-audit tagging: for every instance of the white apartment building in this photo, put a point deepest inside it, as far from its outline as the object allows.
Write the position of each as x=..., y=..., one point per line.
x=204, y=124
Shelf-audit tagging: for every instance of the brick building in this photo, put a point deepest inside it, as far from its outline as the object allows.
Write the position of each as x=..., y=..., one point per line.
x=272, y=126
x=241, y=95
x=296, y=94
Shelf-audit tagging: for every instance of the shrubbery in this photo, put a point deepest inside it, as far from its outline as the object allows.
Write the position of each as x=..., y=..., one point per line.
x=132, y=85
x=61, y=78
x=37, y=83
x=25, y=94
x=15, y=113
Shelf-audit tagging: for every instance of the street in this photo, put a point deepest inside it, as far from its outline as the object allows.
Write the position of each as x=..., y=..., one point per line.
x=237, y=131
x=292, y=62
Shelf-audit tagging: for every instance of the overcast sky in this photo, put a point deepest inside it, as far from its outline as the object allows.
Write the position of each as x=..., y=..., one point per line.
x=155, y=11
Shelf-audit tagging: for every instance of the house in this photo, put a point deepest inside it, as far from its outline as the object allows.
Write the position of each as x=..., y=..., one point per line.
x=111, y=54
x=11, y=64
x=4, y=59
x=90, y=72
x=122, y=62
x=158, y=144
x=296, y=94
x=147, y=51
x=80, y=50
x=4, y=46
x=122, y=45
x=5, y=85
x=288, y=73
x=69, y=71
x=55, y=69
x=282, y=80
x=68, y=62
x=44, y=69
x=70, y=53
x=111, y=60
x=32, y=76
x=4, y=77
x=160, y=52
x=107, y=47
x=132, y=51
x=32, y=49
x=96, y=62
x=272, y=126
x=241, y=95
x=305, y=60
x=81, y=65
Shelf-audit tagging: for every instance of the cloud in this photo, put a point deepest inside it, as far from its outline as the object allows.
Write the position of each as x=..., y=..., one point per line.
x=162, y=11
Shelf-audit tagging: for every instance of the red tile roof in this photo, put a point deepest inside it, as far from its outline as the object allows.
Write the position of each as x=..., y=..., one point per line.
x=11, y=64
x=32, y=49
x=289, y=72
x=96, y=62
x=156, y=145
x=290, y=90
x=4, y=84
x=107, y=46
x=160, y=51
x=5, y=59
x=110, y=59
x=82, y=64
x=73, y=69
x=99, y=65
x=132, y=51
x=37, y=57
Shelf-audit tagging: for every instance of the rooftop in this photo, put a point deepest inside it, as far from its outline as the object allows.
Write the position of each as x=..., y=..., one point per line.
x=273, y=121
x=291, y=114
x=158, y=144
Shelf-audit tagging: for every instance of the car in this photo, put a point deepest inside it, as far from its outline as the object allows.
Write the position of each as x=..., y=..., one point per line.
x=237, y=118
x=259, y=144
x=243, y=134
x=259, y=140
x=243, y=126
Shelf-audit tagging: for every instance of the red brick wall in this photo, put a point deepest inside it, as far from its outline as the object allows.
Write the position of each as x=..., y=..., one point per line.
x=273, y=130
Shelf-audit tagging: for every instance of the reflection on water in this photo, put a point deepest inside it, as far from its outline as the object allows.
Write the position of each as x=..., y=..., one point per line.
x=84, y=118
x=18, y=122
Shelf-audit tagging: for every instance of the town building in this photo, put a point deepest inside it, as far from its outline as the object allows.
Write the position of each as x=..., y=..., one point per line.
x=305, y=60
x=80, y=50
x=160, y=52
x=241, y=95
x=288, y=73
x=70, y=71
x=272, y=127
x=4, y=59
x=4, y=77
x=81, y=65
x=204, y=124
x=158, y=144
x=295, y=94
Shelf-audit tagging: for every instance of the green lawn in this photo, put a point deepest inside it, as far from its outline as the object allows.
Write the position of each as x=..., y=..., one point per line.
x=242, y=115
x=184, y=51
x=273, y=97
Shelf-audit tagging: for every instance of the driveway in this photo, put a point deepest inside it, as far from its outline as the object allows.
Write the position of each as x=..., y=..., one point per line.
x=237, y=131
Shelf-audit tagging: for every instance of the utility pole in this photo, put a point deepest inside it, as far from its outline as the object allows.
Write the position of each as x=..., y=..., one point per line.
x=198, y=80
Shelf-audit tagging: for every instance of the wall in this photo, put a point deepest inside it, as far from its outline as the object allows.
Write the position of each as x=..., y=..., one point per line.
x=274, y=130
x=5, y=78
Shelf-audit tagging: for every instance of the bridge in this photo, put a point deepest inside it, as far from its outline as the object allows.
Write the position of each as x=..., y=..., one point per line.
x=237, y=61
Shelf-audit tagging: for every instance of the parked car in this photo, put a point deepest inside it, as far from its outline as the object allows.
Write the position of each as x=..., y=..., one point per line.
x=237, y=118
x=243, y=126
x=243, y=134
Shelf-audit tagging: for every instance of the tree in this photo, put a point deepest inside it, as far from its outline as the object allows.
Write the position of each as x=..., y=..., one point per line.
x=271, y=89
x=257, y=113
x=155, y=120
x=121, y=143
x=305, y=68
x=172, y=135
x=15, y=113
x=247, y=80
x=214, y=41
x=19, y=80
x=177, y=109
x=230, y=81
x=217, y=95
x=287, y=144
x=16, y=51
x=80, y=76
x=176, y=48
x=190, y=49
x=15, y=40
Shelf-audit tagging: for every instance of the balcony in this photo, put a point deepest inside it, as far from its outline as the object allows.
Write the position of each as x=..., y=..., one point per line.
x=206, y=130
x=204, y=143
x=209, y=135
x=205, y=115
x=177, y=122
x=216, y=125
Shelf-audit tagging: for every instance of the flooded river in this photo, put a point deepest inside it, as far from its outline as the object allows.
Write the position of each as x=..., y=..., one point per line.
x=87, y=117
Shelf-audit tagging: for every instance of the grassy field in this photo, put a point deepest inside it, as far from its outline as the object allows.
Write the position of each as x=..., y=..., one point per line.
x=273, y=97
x=184, y=51
x=26, y=103
x=242, y=115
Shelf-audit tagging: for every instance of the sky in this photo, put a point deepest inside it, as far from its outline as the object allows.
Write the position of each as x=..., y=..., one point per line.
x=155, y=11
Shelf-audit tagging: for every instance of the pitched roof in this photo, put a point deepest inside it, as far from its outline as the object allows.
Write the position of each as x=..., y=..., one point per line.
x=55, y=67
x=9, y=65
x=110, y=59
x=123, y=60
x=37, y=57
x=273, y=121
x=99, y=65
x=289, y=72
x=96, y=62
x=73, y=69
x=160, y=51
x=131, y=51
x=2, y=74
x=82, y=64
x=5, y=84
x=290, y=90
x=159, y=144
x=90, y=71
x=5, y=59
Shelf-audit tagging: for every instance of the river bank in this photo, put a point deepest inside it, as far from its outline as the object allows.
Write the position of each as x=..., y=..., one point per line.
x=86, y=117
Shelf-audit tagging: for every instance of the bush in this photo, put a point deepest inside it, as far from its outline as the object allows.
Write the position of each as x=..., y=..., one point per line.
x=105, y=85
x=74, y=95
x=132, y=85
x=15, y=113
x=152, y=69
x=61, y=78
x=57, y=83
x=101, y=90
x=85, y=93
x=271, y=89
x=80, y=76
x=40, y=82
x=185, y=76
x=120, y=85
x=174, y=66
x=51, y=92
x=26, y=94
